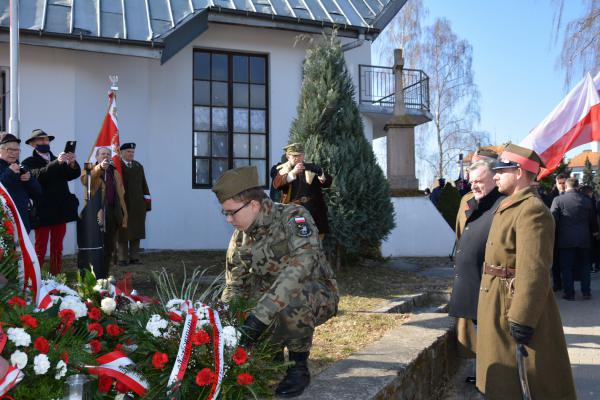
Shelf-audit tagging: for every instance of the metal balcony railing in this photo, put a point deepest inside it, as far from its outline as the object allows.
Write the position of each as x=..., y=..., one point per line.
x=377, y=87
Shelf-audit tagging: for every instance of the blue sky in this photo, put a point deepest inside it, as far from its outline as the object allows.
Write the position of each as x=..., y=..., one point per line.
x=515, y=56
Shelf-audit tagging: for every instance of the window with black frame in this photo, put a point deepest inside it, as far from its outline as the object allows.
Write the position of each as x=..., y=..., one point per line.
x=3, y=100
x=230, y=116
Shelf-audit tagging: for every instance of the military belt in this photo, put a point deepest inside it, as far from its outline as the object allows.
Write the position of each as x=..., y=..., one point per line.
x=498, y=270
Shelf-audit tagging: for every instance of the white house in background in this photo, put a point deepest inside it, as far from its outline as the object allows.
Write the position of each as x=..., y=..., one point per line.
x=204, y=86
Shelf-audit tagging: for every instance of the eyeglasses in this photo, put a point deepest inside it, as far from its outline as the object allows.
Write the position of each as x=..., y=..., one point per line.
x=12, y=150
x=232, y=213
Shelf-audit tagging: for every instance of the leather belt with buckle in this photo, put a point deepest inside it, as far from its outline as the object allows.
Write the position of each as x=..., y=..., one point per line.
x=499, y=271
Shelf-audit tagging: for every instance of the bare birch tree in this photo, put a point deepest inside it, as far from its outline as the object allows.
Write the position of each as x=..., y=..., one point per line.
x=581, y=43
x=454, y=98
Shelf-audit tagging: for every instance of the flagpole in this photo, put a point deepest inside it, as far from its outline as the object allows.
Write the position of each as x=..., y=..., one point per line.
x=13, y=122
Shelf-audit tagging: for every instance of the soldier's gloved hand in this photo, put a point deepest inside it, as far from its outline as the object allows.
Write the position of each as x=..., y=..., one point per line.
x=318, y=170
x=521, y=333
x=251, y=330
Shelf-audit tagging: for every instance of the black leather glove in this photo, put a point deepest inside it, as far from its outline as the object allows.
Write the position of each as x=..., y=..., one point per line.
x=318, y=170
x=521, y=333
x=251, y=330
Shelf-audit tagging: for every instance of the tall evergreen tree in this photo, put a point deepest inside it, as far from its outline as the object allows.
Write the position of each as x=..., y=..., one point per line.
x=597, y=178
x=588, y=173
x=329, y=124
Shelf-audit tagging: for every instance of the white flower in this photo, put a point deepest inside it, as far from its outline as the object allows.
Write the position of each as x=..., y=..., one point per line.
x=230, y=336
x=74, y=303
x=61, y=370
x=155, y=324
x=19, y=337
x=108, y=305
x=41, y=364
x=18, y=359
x=174, y=305
x=138, y=305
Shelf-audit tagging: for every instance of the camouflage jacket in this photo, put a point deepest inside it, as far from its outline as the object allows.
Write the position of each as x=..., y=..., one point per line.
x=273, y=260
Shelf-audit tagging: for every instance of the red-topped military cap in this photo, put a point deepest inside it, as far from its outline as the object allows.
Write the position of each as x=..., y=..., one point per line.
x=514, y=156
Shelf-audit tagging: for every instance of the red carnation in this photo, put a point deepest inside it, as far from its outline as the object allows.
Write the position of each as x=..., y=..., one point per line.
x=118, y=347
x=201, y=337
x=29, y=321
x=95, y=345
x=94, y=313
x=173, y=316
x=67, y=315
x=159, y=360
x=96, y=327
x=104, y=384
x=114, y=330
x=41, y=345
x=121, y=387
x=245, y=379
x=65, y=357
x=16, y=301
x=8, y=226
x=240, y=356
x=205, y=377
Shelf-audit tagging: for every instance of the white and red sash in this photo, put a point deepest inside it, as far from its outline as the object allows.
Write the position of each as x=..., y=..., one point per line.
x=114, y=365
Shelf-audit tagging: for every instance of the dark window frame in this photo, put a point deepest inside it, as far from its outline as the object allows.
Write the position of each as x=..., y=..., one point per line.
x=3, y=99
x=230, y=112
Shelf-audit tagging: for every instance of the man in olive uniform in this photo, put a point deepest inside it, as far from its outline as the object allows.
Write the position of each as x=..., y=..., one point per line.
x=276, y=260
x=472, y=227
x=301, y=183
x=137, y=199
x=516, y=302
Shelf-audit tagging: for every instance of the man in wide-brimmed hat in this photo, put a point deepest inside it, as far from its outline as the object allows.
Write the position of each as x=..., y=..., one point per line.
x=57, y=205
x=276, y=260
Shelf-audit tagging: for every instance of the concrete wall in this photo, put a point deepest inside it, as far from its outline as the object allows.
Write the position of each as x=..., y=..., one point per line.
x=64, y=92
x=420, y=230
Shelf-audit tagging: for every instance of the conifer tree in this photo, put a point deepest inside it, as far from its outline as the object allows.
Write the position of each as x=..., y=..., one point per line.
x=330, y=126
x=449, y=203
x=597, y=178
x=588, y=173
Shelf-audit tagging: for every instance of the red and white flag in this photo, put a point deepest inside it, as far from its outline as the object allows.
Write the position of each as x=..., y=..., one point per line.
x=109, y=132
x=574, y=122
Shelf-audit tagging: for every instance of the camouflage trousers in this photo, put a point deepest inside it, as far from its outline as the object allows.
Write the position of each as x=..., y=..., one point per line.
x=295, y=324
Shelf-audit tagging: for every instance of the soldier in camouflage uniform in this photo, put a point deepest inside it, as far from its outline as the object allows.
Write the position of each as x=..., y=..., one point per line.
x=275, y=259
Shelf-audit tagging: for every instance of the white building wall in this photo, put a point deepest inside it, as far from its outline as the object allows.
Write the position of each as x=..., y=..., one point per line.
x=65, y=93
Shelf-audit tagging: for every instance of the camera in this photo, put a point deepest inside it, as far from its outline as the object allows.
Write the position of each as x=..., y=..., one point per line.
x=313, y=168
x=23, y=169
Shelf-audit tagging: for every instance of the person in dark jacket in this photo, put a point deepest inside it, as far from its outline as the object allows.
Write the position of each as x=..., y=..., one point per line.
x=19, y=183
x=472, y=227
x=57, y=205
x=575, y=225
x=595, y=243
x=559, y=188
x=301, y=183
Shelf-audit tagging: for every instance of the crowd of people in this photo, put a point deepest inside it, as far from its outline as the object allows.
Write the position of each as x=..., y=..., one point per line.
x=39, y=187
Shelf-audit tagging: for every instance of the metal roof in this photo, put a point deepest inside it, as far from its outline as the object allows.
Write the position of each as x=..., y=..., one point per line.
x=154, y=22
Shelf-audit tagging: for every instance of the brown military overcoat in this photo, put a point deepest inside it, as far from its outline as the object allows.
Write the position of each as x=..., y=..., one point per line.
x=521, y=237
x=134, y=182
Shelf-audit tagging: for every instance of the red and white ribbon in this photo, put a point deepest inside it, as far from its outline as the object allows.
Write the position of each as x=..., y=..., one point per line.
x=185, y=345
x=218, y=346
x=115, y=365
x=29, y=267
x=10, y=379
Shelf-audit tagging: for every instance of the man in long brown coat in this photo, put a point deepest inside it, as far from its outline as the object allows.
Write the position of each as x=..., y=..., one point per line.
x=137, y=199
x=516, y=303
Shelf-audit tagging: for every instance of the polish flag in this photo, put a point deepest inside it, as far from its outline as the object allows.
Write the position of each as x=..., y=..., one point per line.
x=574, y=122
x=109, y=132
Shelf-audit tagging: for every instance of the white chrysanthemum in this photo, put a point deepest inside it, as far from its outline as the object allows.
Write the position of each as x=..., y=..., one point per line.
x=18, y=359
x=108, y=305
x=74, y=303
x=138, y=305
x=41, y=364
x=231, y=336
x=19, y=337
x=155, y=324
x=61, y=370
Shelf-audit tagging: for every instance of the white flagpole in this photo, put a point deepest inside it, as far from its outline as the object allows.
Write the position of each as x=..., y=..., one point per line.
x=13, y=122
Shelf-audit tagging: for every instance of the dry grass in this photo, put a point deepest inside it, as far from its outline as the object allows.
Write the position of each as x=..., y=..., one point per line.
x=363, y=288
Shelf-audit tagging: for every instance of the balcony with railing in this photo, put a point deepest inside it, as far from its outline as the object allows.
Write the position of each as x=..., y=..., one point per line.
x=377, y=91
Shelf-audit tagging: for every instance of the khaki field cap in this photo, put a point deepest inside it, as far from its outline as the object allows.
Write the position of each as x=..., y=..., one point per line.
x=482, y=154
x=235, y=181
x=514, y=156
x=294, y=149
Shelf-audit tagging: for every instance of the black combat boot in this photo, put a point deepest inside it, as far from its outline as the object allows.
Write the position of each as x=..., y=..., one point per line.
x=297, y=377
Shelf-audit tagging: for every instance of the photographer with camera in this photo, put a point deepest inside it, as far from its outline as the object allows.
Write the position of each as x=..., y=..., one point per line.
x=57, y=205
x=301, y=183
x=17, y=179
x=112, y=214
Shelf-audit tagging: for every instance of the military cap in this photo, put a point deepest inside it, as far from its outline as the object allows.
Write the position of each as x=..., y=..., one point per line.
x=126, y=146
x=235, y=181
x=9, y=138
x=294, y=149
x=482, y=154
x=514, y=156
x=38, y=133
